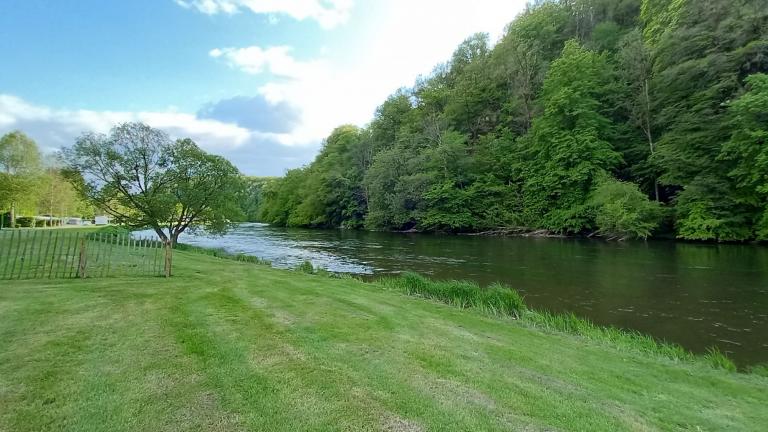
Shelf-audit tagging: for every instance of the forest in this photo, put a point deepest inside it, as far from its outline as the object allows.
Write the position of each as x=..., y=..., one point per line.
x=614, y=118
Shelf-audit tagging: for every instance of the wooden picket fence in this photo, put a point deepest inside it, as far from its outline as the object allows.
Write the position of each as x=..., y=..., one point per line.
x=73, y=253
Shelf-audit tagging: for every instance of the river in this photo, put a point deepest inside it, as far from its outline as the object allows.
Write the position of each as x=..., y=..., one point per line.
x=697, y=295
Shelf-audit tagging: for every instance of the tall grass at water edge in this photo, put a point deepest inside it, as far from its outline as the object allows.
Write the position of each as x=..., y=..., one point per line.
x=500, y=300
x=495, y=299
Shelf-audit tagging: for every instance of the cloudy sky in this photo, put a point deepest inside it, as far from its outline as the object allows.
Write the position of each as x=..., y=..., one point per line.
x=261, y=82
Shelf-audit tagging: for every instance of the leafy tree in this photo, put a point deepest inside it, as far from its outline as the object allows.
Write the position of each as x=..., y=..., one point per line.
x=636, y=71
x=748, y=148
x=143, y=179
x=393, y=116
x=282, y=196
x=19, y=166
x=659, y=17
x=568, y=146
x=252, y=197
x=57, y=196
x=396, y=185
x=694, y=79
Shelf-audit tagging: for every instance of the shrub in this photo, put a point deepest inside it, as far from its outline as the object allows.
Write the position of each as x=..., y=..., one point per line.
x=719, y=360
x=622, y=210
x=496, y=299
x=25, y=222
x=306, y=267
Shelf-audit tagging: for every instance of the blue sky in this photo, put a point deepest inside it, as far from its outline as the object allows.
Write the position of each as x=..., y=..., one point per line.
x=258, y=81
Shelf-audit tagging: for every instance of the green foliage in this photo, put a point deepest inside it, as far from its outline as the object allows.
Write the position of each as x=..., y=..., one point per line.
x=622, y=210
x=495, y=299
x=143, y=179
x=448, y=208
x=631, y=340
x=707, y=210
x=717, y=359
x=579, y=112
x=19, y=166
x=747, y=150
x=329, y=193
x=18, y=154
x=501, y=300
x=568, y=146
x=694, y=81
x=114, y=231
x=56, y=196
x=251, y=197
x=306, y=267
x=660, y=17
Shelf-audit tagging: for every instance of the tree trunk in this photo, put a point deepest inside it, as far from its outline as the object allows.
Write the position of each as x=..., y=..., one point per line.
x=13, y=214
x=649, y=134
x=161, y=234
x=168, y=249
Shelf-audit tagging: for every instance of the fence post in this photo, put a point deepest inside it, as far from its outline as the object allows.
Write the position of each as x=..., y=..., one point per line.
x=168, y=258
x=83, y=260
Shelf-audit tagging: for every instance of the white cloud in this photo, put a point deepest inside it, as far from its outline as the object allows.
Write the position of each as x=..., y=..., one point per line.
x=400, y=39
x=254, y=152
x=277, y=60
x=407, y=39
x=53, y=128
x=328, y=13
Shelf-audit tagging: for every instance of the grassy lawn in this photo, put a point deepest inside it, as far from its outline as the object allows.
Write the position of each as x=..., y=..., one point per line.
x=228, y=346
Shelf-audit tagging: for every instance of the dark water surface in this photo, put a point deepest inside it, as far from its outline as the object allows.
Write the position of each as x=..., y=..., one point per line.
x=697, y=295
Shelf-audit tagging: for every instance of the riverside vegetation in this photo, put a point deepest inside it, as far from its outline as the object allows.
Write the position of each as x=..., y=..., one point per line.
x=618, y=118
x=229, y=345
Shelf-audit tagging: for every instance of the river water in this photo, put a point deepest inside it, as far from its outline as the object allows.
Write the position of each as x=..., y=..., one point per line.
x=697, y=295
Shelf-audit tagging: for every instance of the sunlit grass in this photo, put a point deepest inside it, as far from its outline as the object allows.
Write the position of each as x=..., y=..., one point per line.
x=226, y=345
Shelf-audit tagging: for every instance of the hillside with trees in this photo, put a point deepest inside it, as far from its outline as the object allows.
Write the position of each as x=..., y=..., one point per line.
x=619, y=118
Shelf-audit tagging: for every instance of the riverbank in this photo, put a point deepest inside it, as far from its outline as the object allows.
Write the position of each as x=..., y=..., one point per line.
x=227, y=345
x=695, y=295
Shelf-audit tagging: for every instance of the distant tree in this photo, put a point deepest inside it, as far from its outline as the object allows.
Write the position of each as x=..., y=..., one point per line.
x=143, y=179
x=19, y=166
x=57, y=196
x=252, y=197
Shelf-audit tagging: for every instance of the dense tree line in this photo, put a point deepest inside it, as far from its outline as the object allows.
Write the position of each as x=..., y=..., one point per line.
x=32, y=184
x=616, y=117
